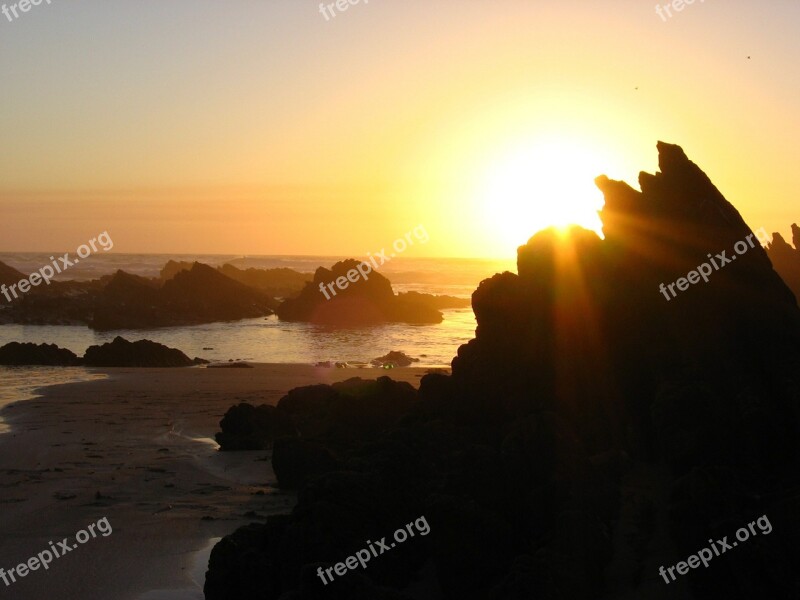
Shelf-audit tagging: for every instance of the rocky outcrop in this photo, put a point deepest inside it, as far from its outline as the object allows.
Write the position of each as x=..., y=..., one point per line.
x=173, y=267
x=282, y=283
x=119, y=353
x=349, y=411
x=59, y=303
x=786, y=259
x=144, y=353
x=129, y=302
x=213, y=295
x=340, y=413
x=124, y=301
x=593, y=428
x=248, y=427
x=365, y=299
x=16, y=354
x=433, y=301
x=297, y=461
x=199, y=295
x=9, y=276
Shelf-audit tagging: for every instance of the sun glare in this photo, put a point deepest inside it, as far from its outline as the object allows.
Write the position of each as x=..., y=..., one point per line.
x=547, y=183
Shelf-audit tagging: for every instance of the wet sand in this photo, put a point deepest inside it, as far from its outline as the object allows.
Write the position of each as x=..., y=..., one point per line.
x=137, y=448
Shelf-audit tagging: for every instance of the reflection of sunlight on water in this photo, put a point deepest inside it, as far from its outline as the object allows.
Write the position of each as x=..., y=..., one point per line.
x=22, y=383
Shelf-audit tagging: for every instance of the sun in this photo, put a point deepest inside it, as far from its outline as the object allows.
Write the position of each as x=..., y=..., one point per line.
x=548, y=182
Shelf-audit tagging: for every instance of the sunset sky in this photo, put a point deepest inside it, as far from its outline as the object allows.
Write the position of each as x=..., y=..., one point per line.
x=246, y=127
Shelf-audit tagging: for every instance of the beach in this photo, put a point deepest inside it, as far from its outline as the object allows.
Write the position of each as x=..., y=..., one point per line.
x=136, y=448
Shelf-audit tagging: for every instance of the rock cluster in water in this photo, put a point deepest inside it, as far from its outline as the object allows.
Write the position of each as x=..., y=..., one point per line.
x=366, y=299
x=118, y=353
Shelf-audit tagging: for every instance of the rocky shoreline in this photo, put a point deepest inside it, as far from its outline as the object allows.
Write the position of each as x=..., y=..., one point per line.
x=590, y=432
x=194, y=294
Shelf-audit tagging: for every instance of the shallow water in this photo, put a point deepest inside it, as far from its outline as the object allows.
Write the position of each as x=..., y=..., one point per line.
x=22, y=383
x=270, y=340
x=273, y=341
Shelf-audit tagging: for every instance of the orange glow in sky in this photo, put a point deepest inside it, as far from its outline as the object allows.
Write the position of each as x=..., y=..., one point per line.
x=263, y=128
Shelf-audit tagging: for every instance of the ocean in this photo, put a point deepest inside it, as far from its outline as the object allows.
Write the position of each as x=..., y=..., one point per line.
x=269, y=339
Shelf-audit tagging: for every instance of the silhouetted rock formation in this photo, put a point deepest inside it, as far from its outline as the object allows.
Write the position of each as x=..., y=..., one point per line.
x=127, y=302
x=17, y=354
x=786, y=259
x=433, y=301
x=591, y=431
x=144, y=353
x=363, y=301
x=119, y=353
x=248, y=427
x=284, y=283
x=199, y=295
x=60, y=303
x=296, y=461
x=9, y=276
x=173, y=267
x=352, y=409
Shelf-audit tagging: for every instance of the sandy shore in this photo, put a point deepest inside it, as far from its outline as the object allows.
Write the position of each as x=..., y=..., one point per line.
x=136, y=448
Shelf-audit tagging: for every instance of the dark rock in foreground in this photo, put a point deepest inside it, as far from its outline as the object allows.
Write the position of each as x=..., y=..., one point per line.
x=365, y=300
x=297, y=461
x=786, y=259
x=349, y=410
x=16, y=354
x=248, y=427
x=593, y=430
x=144, y=353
